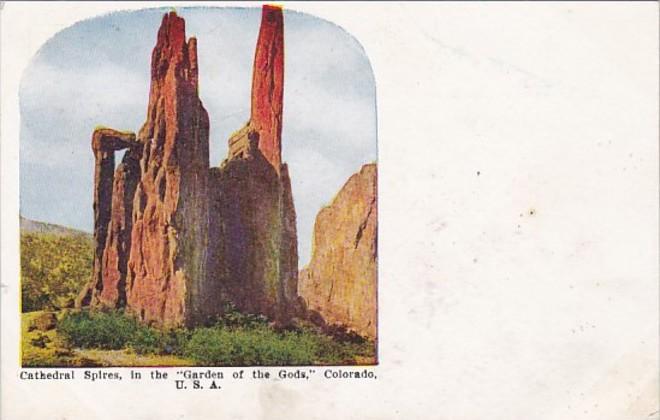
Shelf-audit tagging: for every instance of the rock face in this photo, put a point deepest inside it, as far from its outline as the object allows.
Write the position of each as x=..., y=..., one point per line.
x=169, y=236
x=288, y=243
x=268, y=85
x=252, y=235
x=112, y=190
x=340, y=282
x=118, y=243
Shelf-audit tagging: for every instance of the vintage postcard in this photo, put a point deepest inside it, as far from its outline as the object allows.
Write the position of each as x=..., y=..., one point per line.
x=318, y=210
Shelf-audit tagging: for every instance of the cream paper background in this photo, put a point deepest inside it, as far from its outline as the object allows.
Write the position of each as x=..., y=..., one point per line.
x=529, y=291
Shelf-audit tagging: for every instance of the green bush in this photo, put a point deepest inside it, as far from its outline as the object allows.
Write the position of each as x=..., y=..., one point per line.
x=54, y=269
x=175, y=341
x=103, y=330
x=116, y=330
x=233, y=318
x=260, y=345
x=146, y=340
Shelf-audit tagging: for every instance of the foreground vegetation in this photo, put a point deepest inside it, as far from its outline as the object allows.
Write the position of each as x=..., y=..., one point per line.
x=49, y=349
x=86, y=338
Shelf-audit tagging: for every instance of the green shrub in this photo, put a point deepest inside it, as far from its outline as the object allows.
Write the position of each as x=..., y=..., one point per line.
x=233, y=318
x=260, y=345
x=174, y=341
x=116, y=330
x=146, y=340
x=103, y=330
x=243, y=339
x=54, y=269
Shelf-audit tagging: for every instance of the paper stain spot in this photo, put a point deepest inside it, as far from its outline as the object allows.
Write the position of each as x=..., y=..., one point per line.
x=530, y=212
x=275, y=397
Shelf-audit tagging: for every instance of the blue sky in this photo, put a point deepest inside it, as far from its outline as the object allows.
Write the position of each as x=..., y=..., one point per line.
x=96, y=72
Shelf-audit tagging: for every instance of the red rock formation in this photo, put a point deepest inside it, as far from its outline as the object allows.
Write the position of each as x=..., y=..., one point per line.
x=341, y=279
x=253, y=258
x=108, y=212
x=289, y=240
x=244, y=245
x=167, y=263
x=268, y=85
x=118, y=242
x=157, y=251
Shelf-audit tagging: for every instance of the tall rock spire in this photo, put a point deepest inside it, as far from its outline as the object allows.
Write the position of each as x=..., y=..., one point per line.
x=268, y=85
x=167, y=264
x=253, y=258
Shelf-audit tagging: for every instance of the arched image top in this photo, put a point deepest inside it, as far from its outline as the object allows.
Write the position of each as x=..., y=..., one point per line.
x=247, y=184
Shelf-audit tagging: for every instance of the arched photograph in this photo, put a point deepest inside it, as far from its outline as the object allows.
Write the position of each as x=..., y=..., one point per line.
x=198, y=187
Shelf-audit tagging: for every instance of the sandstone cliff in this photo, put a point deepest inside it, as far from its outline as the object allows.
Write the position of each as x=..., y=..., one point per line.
x=340, y=282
